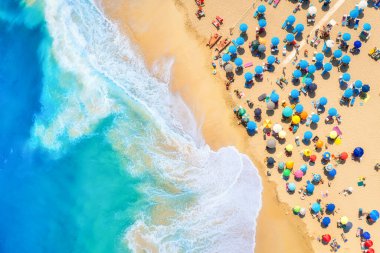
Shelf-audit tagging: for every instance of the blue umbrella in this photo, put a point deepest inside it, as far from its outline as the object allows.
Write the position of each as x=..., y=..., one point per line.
x=366, y=88
x=327, y=67
x=289, y=37
x=232, y=49
x=275, y=41
x=291, y=187
x=251, y=126
x=311, y=69
x=330, y=207
x=346, y=36
x=319, y=57
x=354, y=13
x=299, y=28
x=259, y=69
x=274, y=97
x=332, y=173
x=316, y=207
x=358, y=152
x=243, y=27
x=226, y=57
x=315, y=118
x=261, y=8
x=338, y=53
x=299, y=108
x=308, y=135
x=323, y=101
x=316, y=178
x=348, y=93
x=332, y=111
x=310, y=188
x=326, y=221
x=262, y=22
x=248, y=76
x=308, y=80
x=326, y=155
x=357, y=44
x=374, y=215
x=358, y=84
x=346, y=59
x=271, y=59
x=366, y=235
x=346, y=77
x=294, y=93
x=240, y=41
x=291, y=19
x=238, y=62
x=303, y=64
x=367, y=27
x=303, y=168
x=287, y=112
x=297, y=73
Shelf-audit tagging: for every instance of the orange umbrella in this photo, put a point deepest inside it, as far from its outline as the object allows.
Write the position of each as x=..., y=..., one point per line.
x=303, y=115
x=319, y=144
x=289, y=164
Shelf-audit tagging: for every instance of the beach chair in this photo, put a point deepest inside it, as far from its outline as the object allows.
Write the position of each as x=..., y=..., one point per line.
x=356, y=23
x=278, y=82
x=200, y=14
x=352, y=101
x=316, y=43
x=295, y=128
x=275, y=3
x=344, y=20
x=285, y=24
x=270, y=2
x=213, y=40
x=219, y=19
x=372, y=51
x=303, y=90
x=284, y=51
x=216, y=24
x=255, y=14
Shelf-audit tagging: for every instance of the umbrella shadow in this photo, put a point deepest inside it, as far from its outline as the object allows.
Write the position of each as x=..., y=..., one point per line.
x=289, y=47
x=241, y=51
x=296, y=82
x=311, y=94
x=344, y=68
x=328, y=53
x=263, y=34
x=270, y=112
x=313, y=126
x=330, y=141
x=325, y=7
x=326, y=76
x=239, y=71
x=306, y=142
x=299, y=37
x=305, y=5
x=244, y=36
x=271, y=150
x=343, y=85
x=281, y=141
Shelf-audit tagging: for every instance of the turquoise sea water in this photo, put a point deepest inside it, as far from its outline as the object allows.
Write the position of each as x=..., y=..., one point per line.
x=97, y=155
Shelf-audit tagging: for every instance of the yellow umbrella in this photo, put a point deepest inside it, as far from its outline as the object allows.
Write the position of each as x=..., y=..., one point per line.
x=289, y=164
x=282, y=134
x=262, y=41
x=289, y=147
x=307, y=152
x=333, y=135
x=296, y=119
x=344, y=220
x=267, y=123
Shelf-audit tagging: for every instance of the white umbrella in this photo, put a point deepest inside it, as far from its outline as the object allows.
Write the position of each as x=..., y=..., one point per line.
x=312, y=10
x=277, y=128
x=330, y=43
x=282, y=134
x=302, y=211
x=228, y=68
x=362, y=4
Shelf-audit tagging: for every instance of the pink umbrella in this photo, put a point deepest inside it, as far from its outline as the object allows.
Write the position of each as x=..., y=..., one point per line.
x=298, y=174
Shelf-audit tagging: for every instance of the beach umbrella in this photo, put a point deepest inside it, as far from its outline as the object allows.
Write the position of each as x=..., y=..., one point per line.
x=315, y=118
x=257, y=112
x=275, y=41
x=333, y=111
x=274, y=97
x=338, y=53
x=270, y=105
x=298, y=174
x=289, y=37
x=228, y=68
x=362, y=4
x=226, y=57
x=267, y=123
x=368, y=244
x=296, y=119
x=366, y=235
x=374, y=215
x=294, y=93
x=243, y=27
x=307, y=135
x=289, y=164
x=332, y=173
x=311, y=69
x=367, y=27
x=262, y=22
x=346, y=59
x=270, y=160
x=366, y=88
x=326, y=155
x=303, y=167
x=326, y=221
x=261, y=8
x=310, y=188
x=299, y=108
x=323, y=101
x=277, y=128
x=354, y=13
x=346, y=36
x=344, y=220
x=251, y=126
x=232, y=49
x=262, y=41
x=291, y=19
x=346, y=77
x=271, y=59
x=343, y=156
x=297, y=73
x=313, y=158
x=286, y=173
x=326, y=238
x=370, y=250
x=282, y=134
x=240, y=41
x=303, y=115
x=271, y=143
x=238, y=62
x=330, y=207
x=358, y=152
x=259, y=69
x=312, y=10
x=289, y=148
x=316, y=207
x=287, y=112
x=296, y=209
x=319, y=57
x=316, y=178
x=261, y=48
x=291, y=187
x=348, y=93
x=303, y=64
x=242, y=111
x=327, y=67
x=358, y=84
x=330, y=43
x=248, y=76
x=357, y=44
x=307, y=152
x=333, y=135
x=308, y=81
x=319, y=144
x=302, y=212
x=281, y=165
x=299, y=28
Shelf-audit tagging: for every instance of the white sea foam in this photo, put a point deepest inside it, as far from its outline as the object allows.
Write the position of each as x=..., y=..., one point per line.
x=213, y=197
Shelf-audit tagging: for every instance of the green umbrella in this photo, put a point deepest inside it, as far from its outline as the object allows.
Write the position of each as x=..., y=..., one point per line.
x=286, y=173
x=242, y=111
x=296, y=209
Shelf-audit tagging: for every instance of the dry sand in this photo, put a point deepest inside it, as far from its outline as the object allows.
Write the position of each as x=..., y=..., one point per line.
x=169, y=29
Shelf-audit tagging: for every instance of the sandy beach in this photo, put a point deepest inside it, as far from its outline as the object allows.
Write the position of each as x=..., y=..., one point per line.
x=169, y=30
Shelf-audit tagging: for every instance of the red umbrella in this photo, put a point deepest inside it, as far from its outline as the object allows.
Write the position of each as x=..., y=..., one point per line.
x=368, y=244
x=313, y=158
x=370, y=250
x=343, y=156
x=326, y=238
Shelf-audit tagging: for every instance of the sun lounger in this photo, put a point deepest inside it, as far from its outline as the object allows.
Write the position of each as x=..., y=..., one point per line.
x=276, y=2
x=352, y=101
x=248, y=64
x=372, y=51
x=284, y=25
x=255, y=14
x=344, y=20
x=219, y=19
x=303, y=90
x=216, y=24
x=356, y=23
x=295, y=128
x=270, y=2
x=278, y=82
x=213, y=40
x=200, y=14
x=222, y=45
x=284, y=51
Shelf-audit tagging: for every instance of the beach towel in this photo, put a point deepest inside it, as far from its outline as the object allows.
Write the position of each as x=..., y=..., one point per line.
x=248, y=64
x=276, y=2
x=337, y=130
